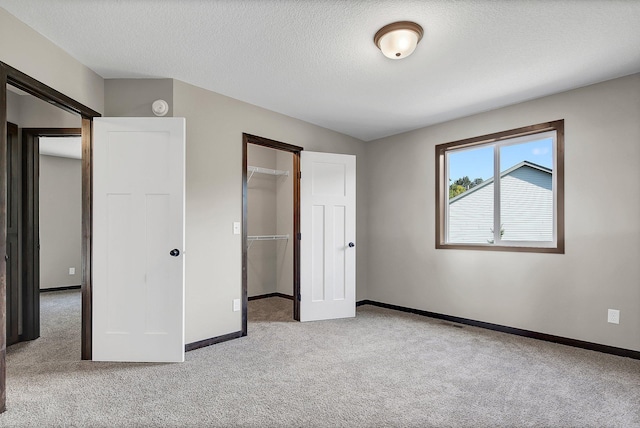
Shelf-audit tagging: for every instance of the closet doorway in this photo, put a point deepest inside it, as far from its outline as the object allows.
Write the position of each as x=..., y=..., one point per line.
x=271, y=222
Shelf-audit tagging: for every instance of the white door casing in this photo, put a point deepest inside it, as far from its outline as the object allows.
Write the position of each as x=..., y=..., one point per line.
x=138, y=219
x=328, y=227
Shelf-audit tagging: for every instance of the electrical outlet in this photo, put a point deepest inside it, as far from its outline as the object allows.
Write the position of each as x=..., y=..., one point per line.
x=236, y=305
x=236, y=228
x=72, y=271
x=613, y=316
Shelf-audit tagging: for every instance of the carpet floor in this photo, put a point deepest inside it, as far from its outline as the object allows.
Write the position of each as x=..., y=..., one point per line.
x=381, y=369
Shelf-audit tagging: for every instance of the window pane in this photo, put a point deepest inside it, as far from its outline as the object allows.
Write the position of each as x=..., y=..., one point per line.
x=516, y=204
x=526, y=191
x=470, y=174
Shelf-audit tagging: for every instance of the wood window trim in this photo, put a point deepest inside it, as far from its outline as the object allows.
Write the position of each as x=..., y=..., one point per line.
x=295, y=151
x=441, y=191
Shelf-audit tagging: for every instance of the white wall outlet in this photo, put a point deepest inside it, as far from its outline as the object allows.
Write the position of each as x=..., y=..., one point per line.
x=72, y=271
x=236, y=228
x=613, y=316
x=236, y=305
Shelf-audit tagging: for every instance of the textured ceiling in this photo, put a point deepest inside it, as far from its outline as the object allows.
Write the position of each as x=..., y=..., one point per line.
x=315, y=59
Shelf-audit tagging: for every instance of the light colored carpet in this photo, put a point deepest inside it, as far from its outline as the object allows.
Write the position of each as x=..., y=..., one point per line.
x=381, y=369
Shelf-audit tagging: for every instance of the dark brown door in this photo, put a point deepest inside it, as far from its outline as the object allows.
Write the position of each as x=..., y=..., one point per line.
x=30, y=235
x=13, y=235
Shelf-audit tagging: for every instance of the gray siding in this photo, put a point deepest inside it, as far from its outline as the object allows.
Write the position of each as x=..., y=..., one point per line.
x=526, y=204
x=471, y=217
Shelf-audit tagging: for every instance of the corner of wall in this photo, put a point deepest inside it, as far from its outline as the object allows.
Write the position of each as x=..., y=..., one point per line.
x=30, y=52
x=134, y=97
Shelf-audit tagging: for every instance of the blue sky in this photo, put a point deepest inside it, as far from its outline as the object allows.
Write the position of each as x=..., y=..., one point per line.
x=478, y=163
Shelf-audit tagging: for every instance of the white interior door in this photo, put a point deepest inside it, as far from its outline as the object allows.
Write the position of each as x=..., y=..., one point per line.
x=328, y=227
x=138, y=239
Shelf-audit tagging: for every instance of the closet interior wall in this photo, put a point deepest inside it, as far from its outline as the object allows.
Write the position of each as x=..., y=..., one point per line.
x=269, y=214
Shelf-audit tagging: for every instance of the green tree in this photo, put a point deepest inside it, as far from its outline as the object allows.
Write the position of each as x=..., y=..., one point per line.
x=467, y=183
x=461, y=185
x=455, y=190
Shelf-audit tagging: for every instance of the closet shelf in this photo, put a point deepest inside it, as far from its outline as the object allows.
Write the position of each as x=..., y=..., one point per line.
x=253, y=169
x=253, y=238
x=266, y=237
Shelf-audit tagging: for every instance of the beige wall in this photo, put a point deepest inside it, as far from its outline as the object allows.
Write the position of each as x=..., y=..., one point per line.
x=27, y=111
x=30, y=52
x=60, y=221
x=133, y=97
x=13, y=107
x=215, y=124
x=566, y=295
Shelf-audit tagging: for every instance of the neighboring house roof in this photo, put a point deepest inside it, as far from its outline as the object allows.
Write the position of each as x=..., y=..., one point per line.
x=526, y=208
x=502, y=174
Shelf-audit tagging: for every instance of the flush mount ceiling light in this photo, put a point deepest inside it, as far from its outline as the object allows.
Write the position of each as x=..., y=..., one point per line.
x=399, y=39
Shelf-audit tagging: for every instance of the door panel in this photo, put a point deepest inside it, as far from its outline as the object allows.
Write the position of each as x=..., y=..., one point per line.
x=138, y=287
x=339, y=261
x=317, y=253
x=328, y=209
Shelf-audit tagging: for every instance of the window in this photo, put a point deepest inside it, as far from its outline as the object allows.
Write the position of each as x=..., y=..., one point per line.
x=503, y=191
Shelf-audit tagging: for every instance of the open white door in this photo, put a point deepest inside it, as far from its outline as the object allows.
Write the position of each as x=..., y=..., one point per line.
x=328, y=228
x=138, y=239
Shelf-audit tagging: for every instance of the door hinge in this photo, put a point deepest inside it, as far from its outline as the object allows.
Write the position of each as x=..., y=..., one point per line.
x=299, y=297
x=300, y=174
x=299, y=236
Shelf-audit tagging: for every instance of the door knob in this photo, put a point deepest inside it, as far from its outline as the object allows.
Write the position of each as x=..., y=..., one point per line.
x=351, y=245
x=175, y=252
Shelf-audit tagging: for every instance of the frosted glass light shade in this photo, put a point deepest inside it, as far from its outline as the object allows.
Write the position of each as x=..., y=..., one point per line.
x=398, y=40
